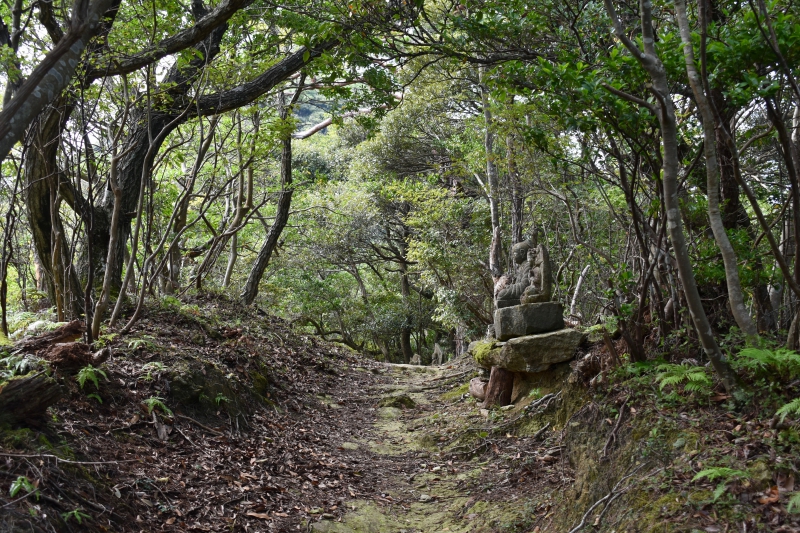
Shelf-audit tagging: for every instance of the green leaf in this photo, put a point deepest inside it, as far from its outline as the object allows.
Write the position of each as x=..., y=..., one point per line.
x=794, y=503
x=791, y=408
x=721, y=472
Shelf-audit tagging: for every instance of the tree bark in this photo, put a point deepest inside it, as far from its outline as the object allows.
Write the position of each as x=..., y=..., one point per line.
x=52, y=75
x=26, y=399
x=42, y=186
x=138, y=141
x=669, y=135
x=729, y=259
x=250, y=290
x=495, y=264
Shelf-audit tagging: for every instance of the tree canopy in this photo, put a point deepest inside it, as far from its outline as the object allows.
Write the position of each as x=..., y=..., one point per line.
x=364, y=168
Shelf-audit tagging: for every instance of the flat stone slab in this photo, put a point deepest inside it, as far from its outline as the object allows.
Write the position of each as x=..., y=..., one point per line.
x=528, y=319
x=535, y=353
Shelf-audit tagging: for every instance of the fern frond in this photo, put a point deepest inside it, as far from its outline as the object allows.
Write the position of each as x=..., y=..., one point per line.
x=791, y=408
x=700, y=376
x=794, y=503
x=721, y=472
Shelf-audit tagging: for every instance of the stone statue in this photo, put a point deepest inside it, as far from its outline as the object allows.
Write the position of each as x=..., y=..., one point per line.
x=533, y=280
x=540, y=288
x=512, y=293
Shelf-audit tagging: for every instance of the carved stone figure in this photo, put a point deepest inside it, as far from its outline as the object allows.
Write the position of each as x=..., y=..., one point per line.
x=512, y=293
x=533, y=279
x=540, y=288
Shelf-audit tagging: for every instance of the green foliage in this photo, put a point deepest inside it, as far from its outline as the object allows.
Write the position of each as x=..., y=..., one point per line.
x=720, y=472
x=726, y=475
x=145, y=342
x=535, y=394
x=21, y=484
x=17, y=365
x=104, y=340
x=221, y=398
x=152, y=366
x=794, y=503
x=90, y=373
x=77, y=514
x=21, y=319
x=95, y=397
x=156, y=402
x=695, y=378
x=765, y=362
x=791, y=408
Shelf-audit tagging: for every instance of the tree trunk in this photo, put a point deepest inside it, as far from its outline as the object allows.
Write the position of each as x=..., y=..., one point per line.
x=495, y=264
x=669, y=134
x=231, y=260
x=42, y=183
x=499, y=388
x=517, y=193
x=52, y=75
x=735, y=293
x=250, y=289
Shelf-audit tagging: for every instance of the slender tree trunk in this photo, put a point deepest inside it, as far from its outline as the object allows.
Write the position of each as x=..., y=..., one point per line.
x=495, y=249
x=729, y=259
x=250, y=289
x=669, y=134
x=517, y=194
x=231, y=260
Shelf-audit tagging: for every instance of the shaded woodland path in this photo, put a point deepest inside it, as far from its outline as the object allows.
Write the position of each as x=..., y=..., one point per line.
x=436, y=466
x=216, y=417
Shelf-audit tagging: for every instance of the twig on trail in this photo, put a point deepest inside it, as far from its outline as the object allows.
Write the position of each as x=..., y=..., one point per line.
x=586, y=407
x=615, y=493
x=429, y=387
x=546, y=398
x=424, y=368
x=129, y=426
x=12, y=502
x=190, y=419
x=613, y=435
x=542, y=404
x=60, y=460
x=539, y=433
x=184, y=436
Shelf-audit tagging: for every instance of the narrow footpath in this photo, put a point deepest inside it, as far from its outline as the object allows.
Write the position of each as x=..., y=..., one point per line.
x=440, y=463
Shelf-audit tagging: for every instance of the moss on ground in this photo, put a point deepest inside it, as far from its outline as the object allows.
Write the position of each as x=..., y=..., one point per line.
x=456, y=393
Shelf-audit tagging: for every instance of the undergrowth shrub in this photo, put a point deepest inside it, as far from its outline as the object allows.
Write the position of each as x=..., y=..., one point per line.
x=765, y=366
x=762, y=363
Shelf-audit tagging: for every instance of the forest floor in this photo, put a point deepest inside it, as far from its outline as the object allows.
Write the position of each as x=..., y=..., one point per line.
x=210, y=416
x=214, y=417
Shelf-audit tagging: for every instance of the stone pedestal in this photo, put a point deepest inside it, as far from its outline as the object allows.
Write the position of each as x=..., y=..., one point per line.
x=528, y=319
x=535, y=353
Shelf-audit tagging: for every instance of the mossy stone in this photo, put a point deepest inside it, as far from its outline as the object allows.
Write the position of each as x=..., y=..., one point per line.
x=760, y=475
x=483, y=352
x=401, y=401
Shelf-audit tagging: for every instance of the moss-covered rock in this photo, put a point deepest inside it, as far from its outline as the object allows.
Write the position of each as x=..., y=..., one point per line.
x=760, y=475
x=456, y=393
x=484, y=351
x=401, y=401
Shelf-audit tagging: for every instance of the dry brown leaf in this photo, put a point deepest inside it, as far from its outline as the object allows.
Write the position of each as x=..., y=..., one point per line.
x=264, y=516
x=771, y=496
